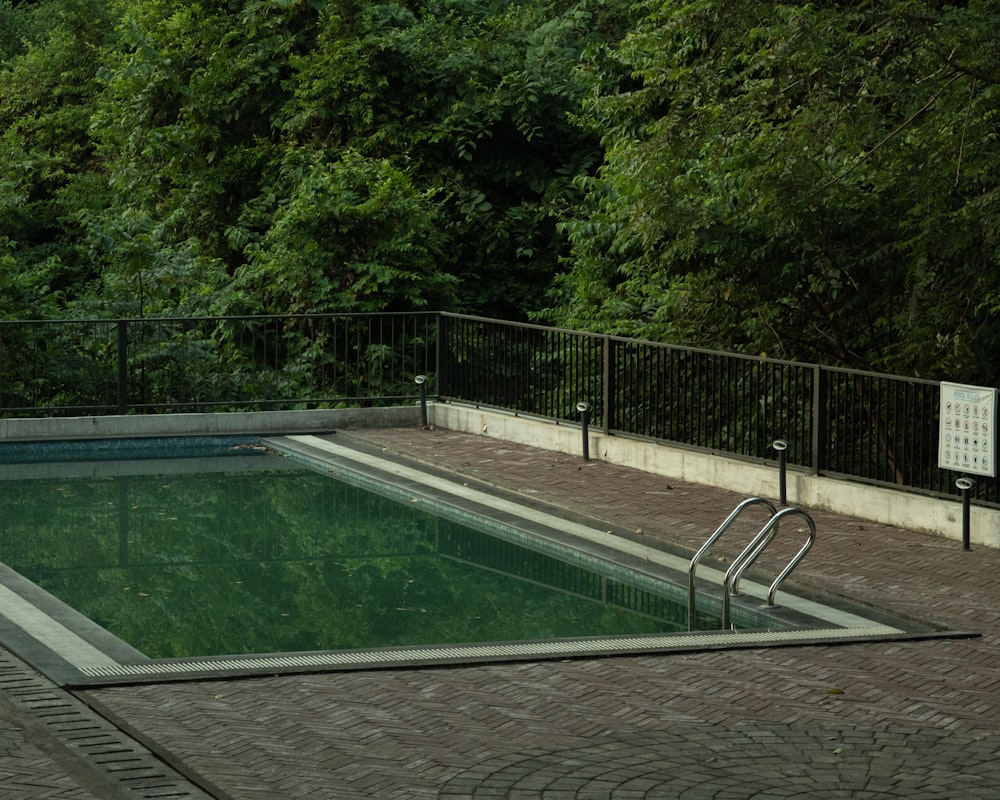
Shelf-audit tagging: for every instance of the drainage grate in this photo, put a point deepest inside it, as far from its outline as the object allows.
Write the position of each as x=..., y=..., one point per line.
x=136, y=771
x=486, y=652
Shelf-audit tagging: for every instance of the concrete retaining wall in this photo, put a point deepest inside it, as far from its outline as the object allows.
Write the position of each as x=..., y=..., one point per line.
x=887, y=506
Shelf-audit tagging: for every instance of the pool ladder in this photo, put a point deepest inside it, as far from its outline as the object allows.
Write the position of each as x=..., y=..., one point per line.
x=750, y=554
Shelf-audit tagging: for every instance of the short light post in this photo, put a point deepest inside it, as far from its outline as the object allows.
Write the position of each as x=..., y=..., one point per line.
x=965, y=485
x=584, y=409
x=781, y=446
x=421, y=381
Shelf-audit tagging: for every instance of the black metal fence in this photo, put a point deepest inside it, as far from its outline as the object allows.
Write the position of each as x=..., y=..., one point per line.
x=59, y=367
x=875, y=428
x=863, y=426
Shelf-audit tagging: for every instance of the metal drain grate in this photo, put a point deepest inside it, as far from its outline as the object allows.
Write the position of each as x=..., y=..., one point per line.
x=486, y=652
x=118, y=757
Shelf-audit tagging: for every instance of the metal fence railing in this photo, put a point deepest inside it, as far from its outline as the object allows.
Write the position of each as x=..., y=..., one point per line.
x=526, y=368
x=57, y=367
x=863, y=426
x=881, y=429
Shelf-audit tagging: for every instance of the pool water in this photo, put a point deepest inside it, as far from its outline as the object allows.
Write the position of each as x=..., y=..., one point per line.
x=233, y=550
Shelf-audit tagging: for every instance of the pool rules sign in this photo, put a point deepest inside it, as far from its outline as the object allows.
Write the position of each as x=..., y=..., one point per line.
x=967, y=436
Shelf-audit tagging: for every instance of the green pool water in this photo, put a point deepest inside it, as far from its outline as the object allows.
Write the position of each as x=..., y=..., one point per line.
x=244, y=552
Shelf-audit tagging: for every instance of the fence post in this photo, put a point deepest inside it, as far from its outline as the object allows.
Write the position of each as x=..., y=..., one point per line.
x=440, y=357
x=819, y=403
x=608, y=384
x=122, y=366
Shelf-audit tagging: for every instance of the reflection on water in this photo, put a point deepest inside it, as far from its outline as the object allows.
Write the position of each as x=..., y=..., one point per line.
x=248, y=555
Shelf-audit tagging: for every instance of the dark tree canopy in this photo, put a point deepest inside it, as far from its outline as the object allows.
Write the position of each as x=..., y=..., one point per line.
x=291, y=156
x=810, y=181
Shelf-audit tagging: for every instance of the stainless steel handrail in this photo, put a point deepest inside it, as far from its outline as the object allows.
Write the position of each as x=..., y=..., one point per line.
x=753, y=550
x=712, y=540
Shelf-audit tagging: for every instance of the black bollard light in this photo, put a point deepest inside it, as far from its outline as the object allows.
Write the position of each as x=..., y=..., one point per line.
x=584, y=409
x=421, y=381
x=782, y=447
x=965, y=484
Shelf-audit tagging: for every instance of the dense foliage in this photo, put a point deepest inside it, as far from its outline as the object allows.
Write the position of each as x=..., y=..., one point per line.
x=814, y=181
x=247, y=157
x=811, y=181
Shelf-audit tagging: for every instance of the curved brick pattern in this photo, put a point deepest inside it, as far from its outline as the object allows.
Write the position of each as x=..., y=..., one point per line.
x=706, y=763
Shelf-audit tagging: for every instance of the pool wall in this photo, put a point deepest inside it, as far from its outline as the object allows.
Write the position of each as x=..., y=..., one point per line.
x=939, y=516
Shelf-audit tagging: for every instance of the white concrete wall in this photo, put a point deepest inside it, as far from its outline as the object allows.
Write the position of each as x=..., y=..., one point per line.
x=229, y=423
x=888, y=506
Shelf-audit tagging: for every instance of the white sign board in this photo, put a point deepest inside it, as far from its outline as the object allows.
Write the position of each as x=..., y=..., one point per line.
x=967, y=437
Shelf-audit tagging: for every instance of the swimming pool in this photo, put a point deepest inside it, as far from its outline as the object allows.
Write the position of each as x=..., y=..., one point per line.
x=131, y=563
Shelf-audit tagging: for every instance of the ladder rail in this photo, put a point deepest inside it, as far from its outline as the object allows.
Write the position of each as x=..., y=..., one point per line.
x=750, y=554
x=692, y=568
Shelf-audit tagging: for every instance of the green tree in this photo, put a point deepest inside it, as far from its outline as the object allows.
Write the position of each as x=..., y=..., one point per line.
x=386, y=155
x=807, y=181
x=353, y=235
x=48, y=169
x=185, y=122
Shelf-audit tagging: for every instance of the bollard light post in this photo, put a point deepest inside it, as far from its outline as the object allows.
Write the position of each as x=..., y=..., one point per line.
x=584, y=409
x=421, y=381
x=965, y=485
x=782, y=448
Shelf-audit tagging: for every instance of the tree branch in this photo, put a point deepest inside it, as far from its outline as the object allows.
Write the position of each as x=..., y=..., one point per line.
x=965, y=129
x=886, y=139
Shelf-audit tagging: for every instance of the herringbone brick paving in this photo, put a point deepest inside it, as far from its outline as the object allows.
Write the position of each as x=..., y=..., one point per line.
x=33, y=766
x=896, y=719
x=496, y=730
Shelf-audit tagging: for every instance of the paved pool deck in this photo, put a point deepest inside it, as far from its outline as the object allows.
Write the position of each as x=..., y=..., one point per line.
x=913, y=719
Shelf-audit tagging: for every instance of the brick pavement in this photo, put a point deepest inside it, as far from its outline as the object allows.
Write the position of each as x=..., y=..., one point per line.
x=916, y=719
x=53, y=746
x=919, y=720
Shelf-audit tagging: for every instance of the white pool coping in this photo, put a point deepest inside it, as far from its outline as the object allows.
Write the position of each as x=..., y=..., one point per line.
x=832, y=616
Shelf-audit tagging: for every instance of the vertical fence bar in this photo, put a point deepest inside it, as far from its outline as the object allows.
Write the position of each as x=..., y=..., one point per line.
x=488, y=386
x=122, y=326
x=695, y=420
x=872, y=464
x=565, y=361
x=608, y=383
x=818, y=421
x=442, y=386
x=774, y=397
x=714, y=380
